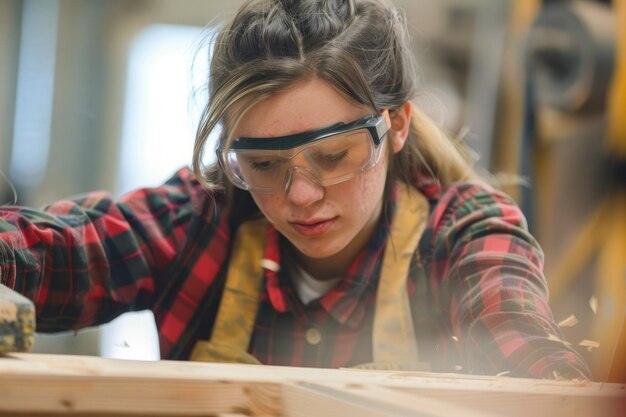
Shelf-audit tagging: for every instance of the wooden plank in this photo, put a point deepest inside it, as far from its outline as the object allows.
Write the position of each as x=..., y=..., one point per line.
x=502, y=396
x=320, y=400
x=77, y=384
x=107, y=414
x=519, y=404
x=36, y=383
x=146, y=396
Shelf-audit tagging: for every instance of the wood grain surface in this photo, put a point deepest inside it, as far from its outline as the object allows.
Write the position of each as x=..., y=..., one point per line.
x=46, y=385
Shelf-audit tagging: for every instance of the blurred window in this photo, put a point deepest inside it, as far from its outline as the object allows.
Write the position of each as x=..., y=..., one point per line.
x=164, y=99
x=35, y=91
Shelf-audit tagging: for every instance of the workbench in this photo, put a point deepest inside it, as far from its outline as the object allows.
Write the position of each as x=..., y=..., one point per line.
x=52, y=385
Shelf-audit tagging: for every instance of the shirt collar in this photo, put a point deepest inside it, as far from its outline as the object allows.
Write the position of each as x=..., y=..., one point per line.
x=347, y=302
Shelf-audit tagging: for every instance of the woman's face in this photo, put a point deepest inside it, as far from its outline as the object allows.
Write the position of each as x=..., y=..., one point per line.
x=332, y=222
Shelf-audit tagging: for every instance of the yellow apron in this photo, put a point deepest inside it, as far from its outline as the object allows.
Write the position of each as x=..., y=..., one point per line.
x=394, y=341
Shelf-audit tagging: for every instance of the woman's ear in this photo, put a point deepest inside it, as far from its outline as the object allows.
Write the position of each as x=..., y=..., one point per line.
x=400, y=122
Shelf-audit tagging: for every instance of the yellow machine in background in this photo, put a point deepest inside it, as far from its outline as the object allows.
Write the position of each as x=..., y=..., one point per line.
x=572, y=116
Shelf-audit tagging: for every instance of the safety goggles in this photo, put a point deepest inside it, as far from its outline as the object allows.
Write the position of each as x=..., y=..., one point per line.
x=326, y=156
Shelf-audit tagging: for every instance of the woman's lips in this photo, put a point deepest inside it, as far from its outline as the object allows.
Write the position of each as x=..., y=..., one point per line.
x=314, y=228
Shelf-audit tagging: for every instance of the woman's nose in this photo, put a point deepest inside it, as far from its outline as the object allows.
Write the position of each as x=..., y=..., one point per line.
x=302, y=190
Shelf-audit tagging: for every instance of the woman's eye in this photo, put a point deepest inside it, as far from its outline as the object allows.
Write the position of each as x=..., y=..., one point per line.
x=332, y=157
x=265, y=165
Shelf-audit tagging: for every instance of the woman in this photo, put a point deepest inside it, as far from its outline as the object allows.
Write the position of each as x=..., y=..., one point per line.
x=339, y=227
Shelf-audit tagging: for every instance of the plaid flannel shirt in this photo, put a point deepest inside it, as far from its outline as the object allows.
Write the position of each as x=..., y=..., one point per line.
x=478, y=295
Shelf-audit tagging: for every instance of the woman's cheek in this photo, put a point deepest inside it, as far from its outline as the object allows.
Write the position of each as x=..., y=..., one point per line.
x=265, y=204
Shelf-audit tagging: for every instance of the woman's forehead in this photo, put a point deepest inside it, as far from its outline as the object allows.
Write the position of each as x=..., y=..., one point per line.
x=302, y=107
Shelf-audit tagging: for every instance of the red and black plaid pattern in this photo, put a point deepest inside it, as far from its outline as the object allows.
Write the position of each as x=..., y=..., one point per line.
x=478, y=293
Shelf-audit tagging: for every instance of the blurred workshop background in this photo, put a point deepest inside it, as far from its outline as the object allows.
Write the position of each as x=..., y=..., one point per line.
x=105, y=94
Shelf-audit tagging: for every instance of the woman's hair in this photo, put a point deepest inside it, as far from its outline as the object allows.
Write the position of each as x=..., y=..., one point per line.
x=361, y=47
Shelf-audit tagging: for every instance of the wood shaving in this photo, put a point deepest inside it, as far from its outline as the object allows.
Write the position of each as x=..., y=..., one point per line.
x=580, y=382
x=571, y=321
x=589, y=344
x=271, y=265
x=502, y=374
x=456, y=339
x=556, y=339
x=593, y=304
x=556, y=376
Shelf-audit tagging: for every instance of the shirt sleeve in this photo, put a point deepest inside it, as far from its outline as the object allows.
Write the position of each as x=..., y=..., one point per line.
x=85, y=260
x=486, y=272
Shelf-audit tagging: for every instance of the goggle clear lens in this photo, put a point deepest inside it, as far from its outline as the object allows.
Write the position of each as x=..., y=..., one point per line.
x=330, y=160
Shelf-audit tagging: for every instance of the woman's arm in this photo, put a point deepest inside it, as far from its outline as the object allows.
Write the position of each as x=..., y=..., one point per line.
x=86, y=260
x=487, y=271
